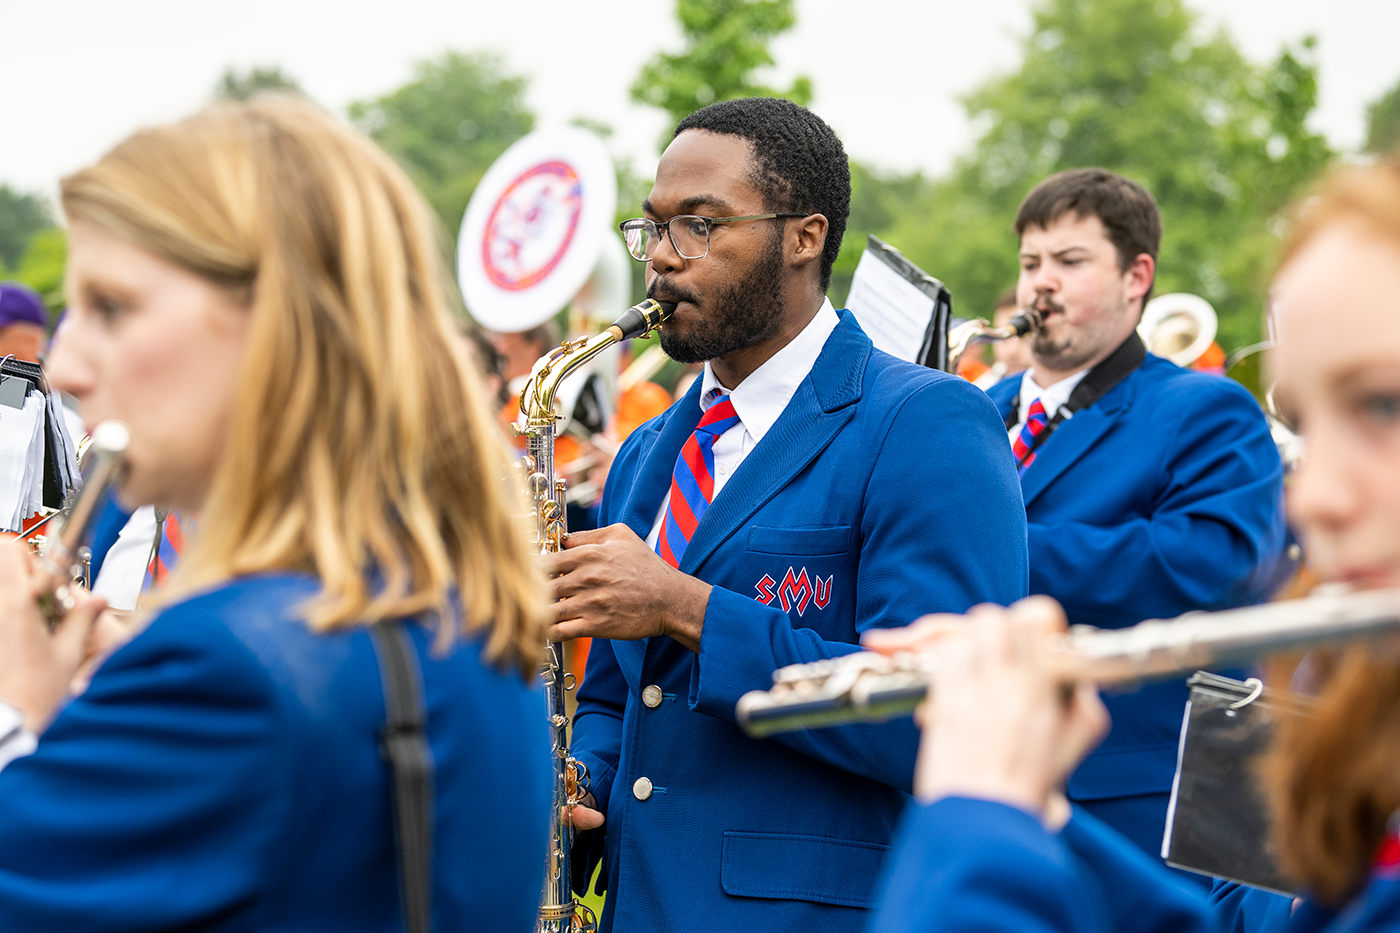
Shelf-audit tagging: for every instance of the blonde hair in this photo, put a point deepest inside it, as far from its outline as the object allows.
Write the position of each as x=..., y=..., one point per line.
x=1330, y=777
x=361, y=448
x=1368, y=193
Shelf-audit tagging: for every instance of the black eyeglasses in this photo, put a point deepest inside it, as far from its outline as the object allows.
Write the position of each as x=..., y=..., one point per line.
x=689, y=233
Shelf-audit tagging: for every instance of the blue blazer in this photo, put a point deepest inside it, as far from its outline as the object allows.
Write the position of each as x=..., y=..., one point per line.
x=973, y=865
x=1164, y=497
x=884, y=491
x=223, y=773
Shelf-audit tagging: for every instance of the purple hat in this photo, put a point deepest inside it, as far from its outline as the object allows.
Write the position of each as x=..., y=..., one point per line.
x=21, y=304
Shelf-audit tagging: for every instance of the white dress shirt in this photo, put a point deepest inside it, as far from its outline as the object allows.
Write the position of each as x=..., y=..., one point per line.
x=759, y=400
x=1052, y=398
x=123, y=570
x=15, y=740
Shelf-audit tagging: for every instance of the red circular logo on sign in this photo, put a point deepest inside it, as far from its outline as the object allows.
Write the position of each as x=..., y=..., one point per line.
x=532, y=225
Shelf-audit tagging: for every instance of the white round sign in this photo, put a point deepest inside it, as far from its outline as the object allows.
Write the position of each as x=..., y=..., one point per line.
x=535, y=228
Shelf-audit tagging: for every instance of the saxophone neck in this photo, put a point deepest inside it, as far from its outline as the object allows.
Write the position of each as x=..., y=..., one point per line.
x=1026, y=321
x=537, y=398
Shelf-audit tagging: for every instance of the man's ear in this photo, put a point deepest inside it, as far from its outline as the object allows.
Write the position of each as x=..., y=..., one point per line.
x=1138, y=277
x=810, y=239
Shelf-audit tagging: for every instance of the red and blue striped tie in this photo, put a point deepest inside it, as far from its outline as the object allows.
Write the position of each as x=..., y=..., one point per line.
x=1024, y=445
x=693, y=481
x=165, y=554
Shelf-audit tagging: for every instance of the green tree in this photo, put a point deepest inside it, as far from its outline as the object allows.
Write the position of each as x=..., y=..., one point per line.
x=1133, y=86
x=448, y=125
x=41, y=267
x=235, y=85
x=1383, y=122
x=21, y=216
x=726, y=43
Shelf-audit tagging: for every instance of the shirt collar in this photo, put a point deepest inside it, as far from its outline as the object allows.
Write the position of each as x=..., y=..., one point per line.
x=1052, y=398
x=761, y=398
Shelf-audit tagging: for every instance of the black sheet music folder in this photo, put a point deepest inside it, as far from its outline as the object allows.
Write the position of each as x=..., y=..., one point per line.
x=1217, y=821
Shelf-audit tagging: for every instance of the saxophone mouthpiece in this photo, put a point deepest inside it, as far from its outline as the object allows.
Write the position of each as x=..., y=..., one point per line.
x=1027, y=320
x=641, y=318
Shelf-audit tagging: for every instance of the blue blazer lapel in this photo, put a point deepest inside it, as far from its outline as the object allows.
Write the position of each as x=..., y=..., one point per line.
x=1073, y=438
x=652, y=480
x=1005, y=393
x=820, y=408
x=650, y=483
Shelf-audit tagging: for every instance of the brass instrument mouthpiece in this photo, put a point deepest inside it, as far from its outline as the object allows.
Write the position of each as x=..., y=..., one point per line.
x=1026, y=320
x=639, y=319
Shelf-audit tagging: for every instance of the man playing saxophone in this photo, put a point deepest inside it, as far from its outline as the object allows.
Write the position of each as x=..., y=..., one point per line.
x=1150, y=491
x=806, y=489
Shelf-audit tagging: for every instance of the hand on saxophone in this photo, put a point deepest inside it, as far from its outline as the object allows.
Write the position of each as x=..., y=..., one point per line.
x=609, y=584
x=1000, y=726
x=37, y=666
x=585, y=815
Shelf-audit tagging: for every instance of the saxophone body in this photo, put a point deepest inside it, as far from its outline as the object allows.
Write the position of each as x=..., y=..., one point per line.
x=559, y=911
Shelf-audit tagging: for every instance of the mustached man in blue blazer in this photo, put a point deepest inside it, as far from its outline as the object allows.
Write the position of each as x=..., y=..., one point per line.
x=1163, y=496
x=854, y=491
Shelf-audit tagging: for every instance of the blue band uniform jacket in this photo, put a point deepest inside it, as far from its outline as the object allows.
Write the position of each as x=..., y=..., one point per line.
x=223, y=773
x=884, y=491
x=1164, y=497
x=976, y=865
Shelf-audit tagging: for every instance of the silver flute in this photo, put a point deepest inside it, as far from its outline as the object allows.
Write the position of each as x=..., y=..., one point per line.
x=868, y=687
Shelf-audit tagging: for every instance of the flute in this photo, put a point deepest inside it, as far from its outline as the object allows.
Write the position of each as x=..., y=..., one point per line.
x=867, y=687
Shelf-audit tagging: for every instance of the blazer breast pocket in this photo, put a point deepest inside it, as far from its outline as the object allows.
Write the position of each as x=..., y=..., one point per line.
x=800, y=540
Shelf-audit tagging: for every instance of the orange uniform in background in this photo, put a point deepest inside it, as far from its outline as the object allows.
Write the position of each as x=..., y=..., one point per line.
x=1211, y=360
x=638, y=405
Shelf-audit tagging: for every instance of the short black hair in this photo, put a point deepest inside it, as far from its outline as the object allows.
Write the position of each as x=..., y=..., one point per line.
x=1126, y=209
x=800, y=164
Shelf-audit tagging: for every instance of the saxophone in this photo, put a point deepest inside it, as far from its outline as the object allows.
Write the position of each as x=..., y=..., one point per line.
x=960, y=338
x=559, y=911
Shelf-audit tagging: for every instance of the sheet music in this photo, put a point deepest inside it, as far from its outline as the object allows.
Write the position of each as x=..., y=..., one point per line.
x=21, y=460
x=893, y=312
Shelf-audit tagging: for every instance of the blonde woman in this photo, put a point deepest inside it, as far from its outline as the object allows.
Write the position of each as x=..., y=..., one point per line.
x=257, y=292
x=989, y=848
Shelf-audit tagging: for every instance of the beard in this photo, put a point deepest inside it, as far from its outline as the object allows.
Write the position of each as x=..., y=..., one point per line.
x=1064, y=353
x=1065, y=348
x=742, y=314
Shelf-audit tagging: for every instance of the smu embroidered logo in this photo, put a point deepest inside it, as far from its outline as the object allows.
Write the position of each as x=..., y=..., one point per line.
x=795, y=591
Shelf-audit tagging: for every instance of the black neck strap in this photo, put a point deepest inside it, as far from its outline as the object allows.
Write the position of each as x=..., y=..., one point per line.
x=1119, y=365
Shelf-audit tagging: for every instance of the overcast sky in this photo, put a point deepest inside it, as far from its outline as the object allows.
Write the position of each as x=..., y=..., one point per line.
x=77, y=75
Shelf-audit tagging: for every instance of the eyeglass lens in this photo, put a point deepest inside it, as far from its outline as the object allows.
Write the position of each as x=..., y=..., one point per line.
x=690, y=236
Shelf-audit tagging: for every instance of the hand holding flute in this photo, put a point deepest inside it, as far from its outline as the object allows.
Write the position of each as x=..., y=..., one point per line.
x=1005, y=726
